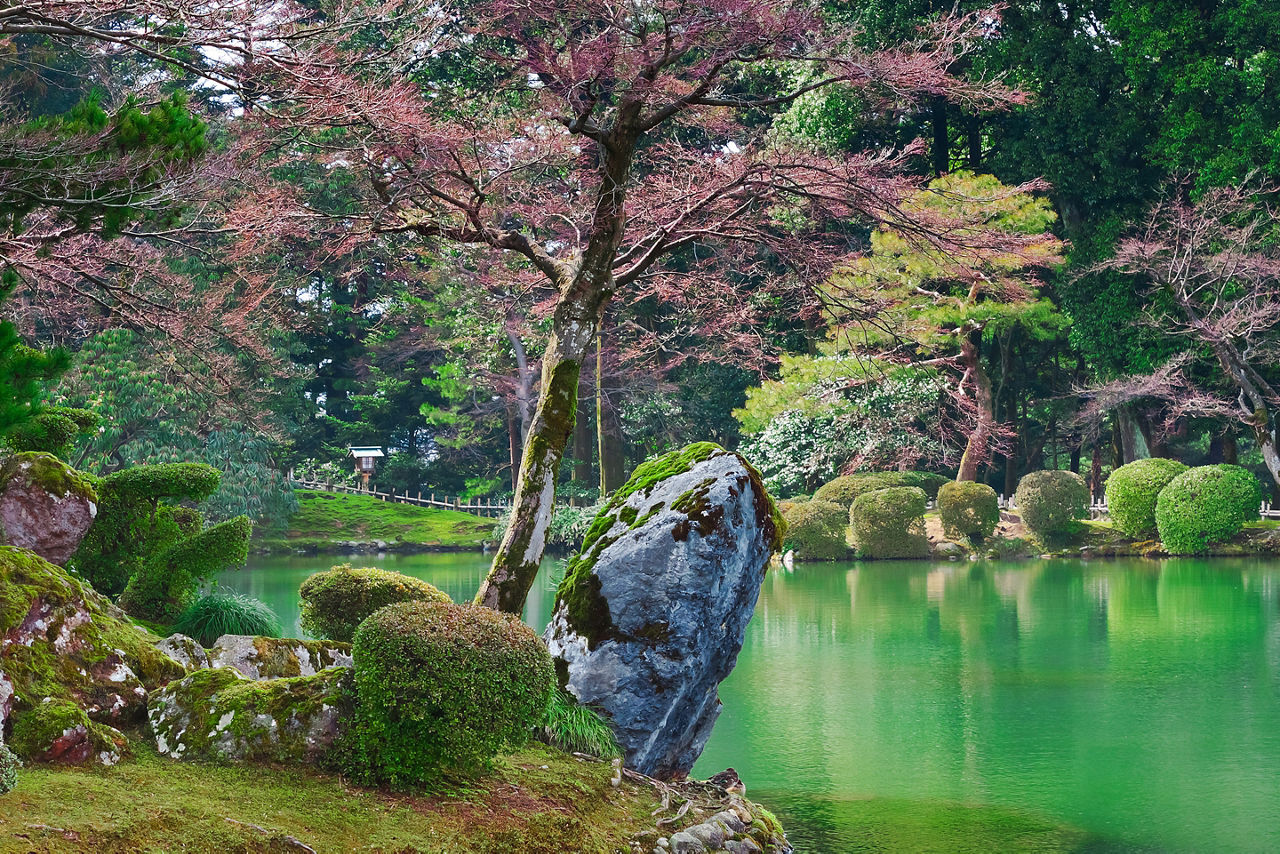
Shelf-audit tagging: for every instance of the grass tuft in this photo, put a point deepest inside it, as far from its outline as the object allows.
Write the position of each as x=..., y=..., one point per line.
x=225, y=613
x=577, y=729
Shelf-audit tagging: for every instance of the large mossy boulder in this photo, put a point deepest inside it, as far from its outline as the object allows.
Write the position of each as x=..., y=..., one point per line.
x=45, y=505
x=651, y=613
x=1132, y=491
x=336, y=601
x=218, y=714
x=889, y=523
x=72, y=667
x=816, y=530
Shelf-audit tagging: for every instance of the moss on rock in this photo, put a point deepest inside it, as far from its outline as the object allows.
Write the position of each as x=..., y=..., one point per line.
x=66, y=643
x=218, y=714
x=50, y=473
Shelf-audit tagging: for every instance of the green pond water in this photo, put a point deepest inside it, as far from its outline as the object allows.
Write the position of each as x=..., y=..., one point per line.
x=1101, y=706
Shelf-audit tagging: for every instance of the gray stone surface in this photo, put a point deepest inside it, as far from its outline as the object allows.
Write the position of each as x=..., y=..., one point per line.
x=184, y=650
x=670, y=587
x=277, y=658
x=50, y=521
x=686, y=843
x=219, y=714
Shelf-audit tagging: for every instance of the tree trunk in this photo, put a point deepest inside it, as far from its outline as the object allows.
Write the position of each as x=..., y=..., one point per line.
x=582, y=446
x=980, y=439
x=1132, y=444
x=516, y=563
x=1095, y=471
x=941, y=153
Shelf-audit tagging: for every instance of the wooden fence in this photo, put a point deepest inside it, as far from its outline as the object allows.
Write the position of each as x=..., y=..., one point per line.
x=1098, y=508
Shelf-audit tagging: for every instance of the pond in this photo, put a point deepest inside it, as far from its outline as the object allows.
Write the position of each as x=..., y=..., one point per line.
x=1050, y=705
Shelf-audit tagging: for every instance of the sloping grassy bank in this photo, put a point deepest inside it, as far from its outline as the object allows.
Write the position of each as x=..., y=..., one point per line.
x=330, y=521
x=538, y=800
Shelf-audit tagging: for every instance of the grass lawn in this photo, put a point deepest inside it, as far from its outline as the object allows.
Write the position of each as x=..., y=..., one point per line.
x=538, y=800
x=327, y=517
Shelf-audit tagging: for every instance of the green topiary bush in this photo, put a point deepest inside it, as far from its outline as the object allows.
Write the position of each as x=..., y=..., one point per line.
x=9, y=765
x=889, y=523
x=1050, y=502
x=845, y=490
x=1132, y=491
x=443, y=688
x=224, y=613
x=1206, y=505
x=166, y=583
x=968, y=509
x=816, y=530
x=336, y=601
x=52, y=431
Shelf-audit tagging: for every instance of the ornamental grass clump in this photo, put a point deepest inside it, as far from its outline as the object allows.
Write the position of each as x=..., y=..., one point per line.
x=889, y=523
x=336, y=601
x=845, y=490
x=1051, y=502
x=969, y=510
x=443, y=688
x=1206, y=505
x=575, y=728
x=815, y=530
x=226, y=613
x=1132, y=491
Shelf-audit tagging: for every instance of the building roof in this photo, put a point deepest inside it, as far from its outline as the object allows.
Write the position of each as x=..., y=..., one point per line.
x=366, y=452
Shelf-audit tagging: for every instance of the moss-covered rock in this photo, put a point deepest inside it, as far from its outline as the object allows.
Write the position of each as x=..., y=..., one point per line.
x=277, y=658
x=9, y=765
x=45, y=505
x=889, y=523
x=218, y=714
x=63, y=643
x=60, y=731
x=816, y=530
x=336, y=601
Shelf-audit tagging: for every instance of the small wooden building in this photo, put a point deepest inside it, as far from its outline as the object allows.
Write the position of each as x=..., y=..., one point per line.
x=365, y=458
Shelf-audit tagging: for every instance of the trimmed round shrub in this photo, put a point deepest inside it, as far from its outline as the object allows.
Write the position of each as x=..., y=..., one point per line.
x=816, y=530
x=443, y=688
x=225, y=613
x=889, y=523
x=1132, y=490
x=968, y=509
x=336, y=601
x=1206, y=505
x=1050, y=501
x=845, y=490
x=9, y=765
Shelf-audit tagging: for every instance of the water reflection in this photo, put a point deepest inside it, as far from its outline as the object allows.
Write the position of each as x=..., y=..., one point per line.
x=1135, y=699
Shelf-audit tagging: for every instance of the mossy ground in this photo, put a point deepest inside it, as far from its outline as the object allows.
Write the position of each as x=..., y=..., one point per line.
x=325, y=519
x=537, y=800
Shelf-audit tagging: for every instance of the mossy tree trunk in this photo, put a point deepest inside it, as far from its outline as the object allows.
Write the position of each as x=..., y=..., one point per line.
x=980, y=439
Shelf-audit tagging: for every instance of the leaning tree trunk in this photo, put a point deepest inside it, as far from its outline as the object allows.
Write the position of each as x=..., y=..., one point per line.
x=520, y=553
x=980, y=439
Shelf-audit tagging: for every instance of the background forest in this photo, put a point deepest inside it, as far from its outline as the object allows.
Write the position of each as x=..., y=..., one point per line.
x=125, y=179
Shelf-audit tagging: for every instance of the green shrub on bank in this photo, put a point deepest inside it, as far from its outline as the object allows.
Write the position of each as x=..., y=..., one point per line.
x=1132, y=491
x=9, y=765
x=889, y=523
x=969, y=510
x=1050, y=502
x=52, y=431
x=443, y=688
x=336, y=601
x=1206, y=505
x=575, y=728
x=845, y=490
x=224, y=613
x=816, y=530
